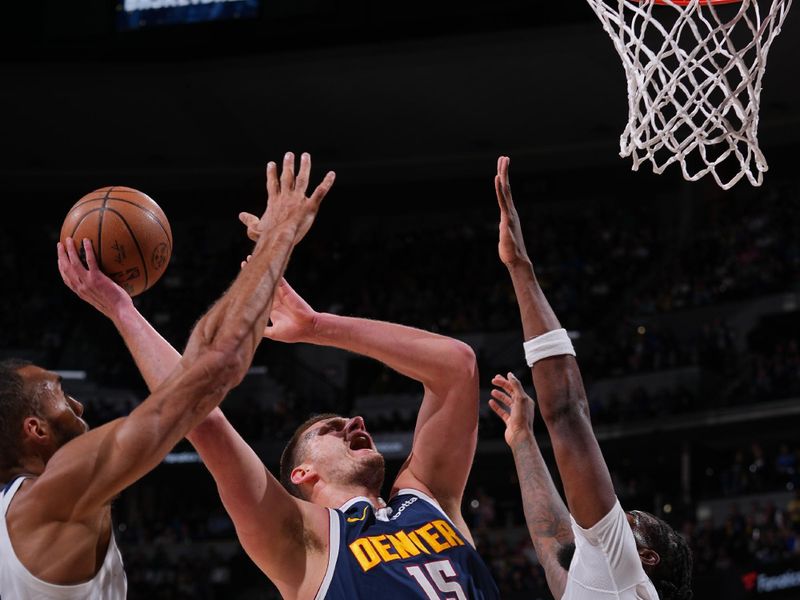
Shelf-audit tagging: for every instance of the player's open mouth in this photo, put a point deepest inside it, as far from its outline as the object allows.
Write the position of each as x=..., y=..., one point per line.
x=360, y=441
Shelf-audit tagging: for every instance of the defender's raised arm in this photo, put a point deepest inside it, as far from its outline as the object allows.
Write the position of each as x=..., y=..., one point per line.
x=66, y=477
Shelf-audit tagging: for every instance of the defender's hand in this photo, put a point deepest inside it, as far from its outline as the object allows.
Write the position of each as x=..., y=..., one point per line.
x=512, y=245
x=515, y=407
x=292, y=319
x=287, y=204
x=91, y=285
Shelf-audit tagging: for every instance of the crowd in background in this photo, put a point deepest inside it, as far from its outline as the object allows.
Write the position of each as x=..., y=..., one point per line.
x=611, y=272
x=751, y=536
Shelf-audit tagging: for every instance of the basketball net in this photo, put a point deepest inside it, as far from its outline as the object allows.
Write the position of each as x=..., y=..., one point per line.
x=694, y=71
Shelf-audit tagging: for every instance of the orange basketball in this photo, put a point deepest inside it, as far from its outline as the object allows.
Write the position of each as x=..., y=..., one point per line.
x=130, y=234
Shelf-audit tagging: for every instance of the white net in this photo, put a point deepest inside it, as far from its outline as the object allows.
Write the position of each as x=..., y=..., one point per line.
x=694, y=72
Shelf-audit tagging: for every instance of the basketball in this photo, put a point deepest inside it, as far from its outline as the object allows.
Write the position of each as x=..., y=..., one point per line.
x=130, y=235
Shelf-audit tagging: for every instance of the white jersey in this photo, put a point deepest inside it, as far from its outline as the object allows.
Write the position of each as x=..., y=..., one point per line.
x=606, y=563
x=17, y=583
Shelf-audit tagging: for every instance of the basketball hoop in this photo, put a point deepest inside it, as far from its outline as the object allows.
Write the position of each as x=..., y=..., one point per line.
x=694, y=82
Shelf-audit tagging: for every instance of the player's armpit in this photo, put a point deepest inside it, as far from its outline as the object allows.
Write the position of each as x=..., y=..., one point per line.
x=291, y=545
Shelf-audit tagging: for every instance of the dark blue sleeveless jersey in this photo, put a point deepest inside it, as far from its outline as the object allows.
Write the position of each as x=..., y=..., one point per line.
x=408, y=550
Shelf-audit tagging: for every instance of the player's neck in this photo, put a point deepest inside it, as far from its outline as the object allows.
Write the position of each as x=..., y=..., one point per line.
x=334, y=496
x=29, y=466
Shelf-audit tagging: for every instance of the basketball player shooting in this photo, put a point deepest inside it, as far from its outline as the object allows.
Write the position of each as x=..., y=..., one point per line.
x=593, y=550
x=56, y=540
x=326, y=533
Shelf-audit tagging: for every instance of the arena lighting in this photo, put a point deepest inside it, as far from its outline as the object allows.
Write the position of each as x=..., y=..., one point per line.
x=389, y=447
x=72, y=375
x=182, y=458
x=141, y=14
x=132, y=5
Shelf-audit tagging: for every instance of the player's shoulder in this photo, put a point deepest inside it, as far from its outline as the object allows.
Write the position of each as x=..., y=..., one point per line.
x=404, y=498
x=409, y=505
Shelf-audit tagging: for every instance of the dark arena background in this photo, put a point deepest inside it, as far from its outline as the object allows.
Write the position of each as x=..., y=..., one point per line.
x=685, y=299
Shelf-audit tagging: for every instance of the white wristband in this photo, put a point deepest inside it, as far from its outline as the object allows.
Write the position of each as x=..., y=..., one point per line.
x=552, y=343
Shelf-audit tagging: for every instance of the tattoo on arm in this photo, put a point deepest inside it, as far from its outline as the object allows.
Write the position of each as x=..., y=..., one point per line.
x=545, y=513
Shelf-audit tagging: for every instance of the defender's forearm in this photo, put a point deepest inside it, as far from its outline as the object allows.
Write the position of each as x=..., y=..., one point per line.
x=558, y=381
x=545, y=513
x=537, y=315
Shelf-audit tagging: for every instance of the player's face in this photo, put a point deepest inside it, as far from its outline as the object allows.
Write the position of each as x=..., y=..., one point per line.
x=342, y=451
x=62, y=412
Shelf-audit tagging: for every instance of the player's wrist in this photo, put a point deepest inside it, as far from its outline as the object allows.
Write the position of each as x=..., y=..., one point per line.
x=521, y=440
x=555, y=342
x=519, y=265
x=284, y=231
x=121, y=310
x=322, y=327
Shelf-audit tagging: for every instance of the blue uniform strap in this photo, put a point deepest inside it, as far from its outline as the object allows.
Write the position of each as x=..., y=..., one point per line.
x=333, y=552
x=8, y=493
x=10, y=483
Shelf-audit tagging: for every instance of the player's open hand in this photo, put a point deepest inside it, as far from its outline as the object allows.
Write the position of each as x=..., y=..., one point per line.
x=287, y=203
x=512, y=245
x=291, y=318
x=515, y=407
x=91, y=284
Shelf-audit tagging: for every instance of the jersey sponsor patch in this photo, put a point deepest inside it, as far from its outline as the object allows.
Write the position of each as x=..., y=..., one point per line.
x=433, y=537
x=404, y=506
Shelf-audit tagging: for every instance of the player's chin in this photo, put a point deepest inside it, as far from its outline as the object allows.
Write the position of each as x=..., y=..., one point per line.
x=370, y=470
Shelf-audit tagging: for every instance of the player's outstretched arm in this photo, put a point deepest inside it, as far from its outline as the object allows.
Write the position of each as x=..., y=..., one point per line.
x=154, y=356
x=239, y=472
x=255, y=500
x=218, y=354
x=545, y=513
x=557, y=379
x=448, y=417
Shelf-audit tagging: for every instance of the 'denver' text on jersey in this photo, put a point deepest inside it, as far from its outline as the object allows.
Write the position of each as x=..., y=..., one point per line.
x=408, y=550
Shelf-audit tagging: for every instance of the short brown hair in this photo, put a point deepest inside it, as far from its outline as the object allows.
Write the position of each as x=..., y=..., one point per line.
x=16, y=403
x=293, y=453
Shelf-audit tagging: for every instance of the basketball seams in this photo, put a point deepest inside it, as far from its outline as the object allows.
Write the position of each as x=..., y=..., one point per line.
x=103, y=193
x=136, y=243
x=81, y=220
x=100, y=227
x=150, y=214
x=149, y=220
x=81, y=202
